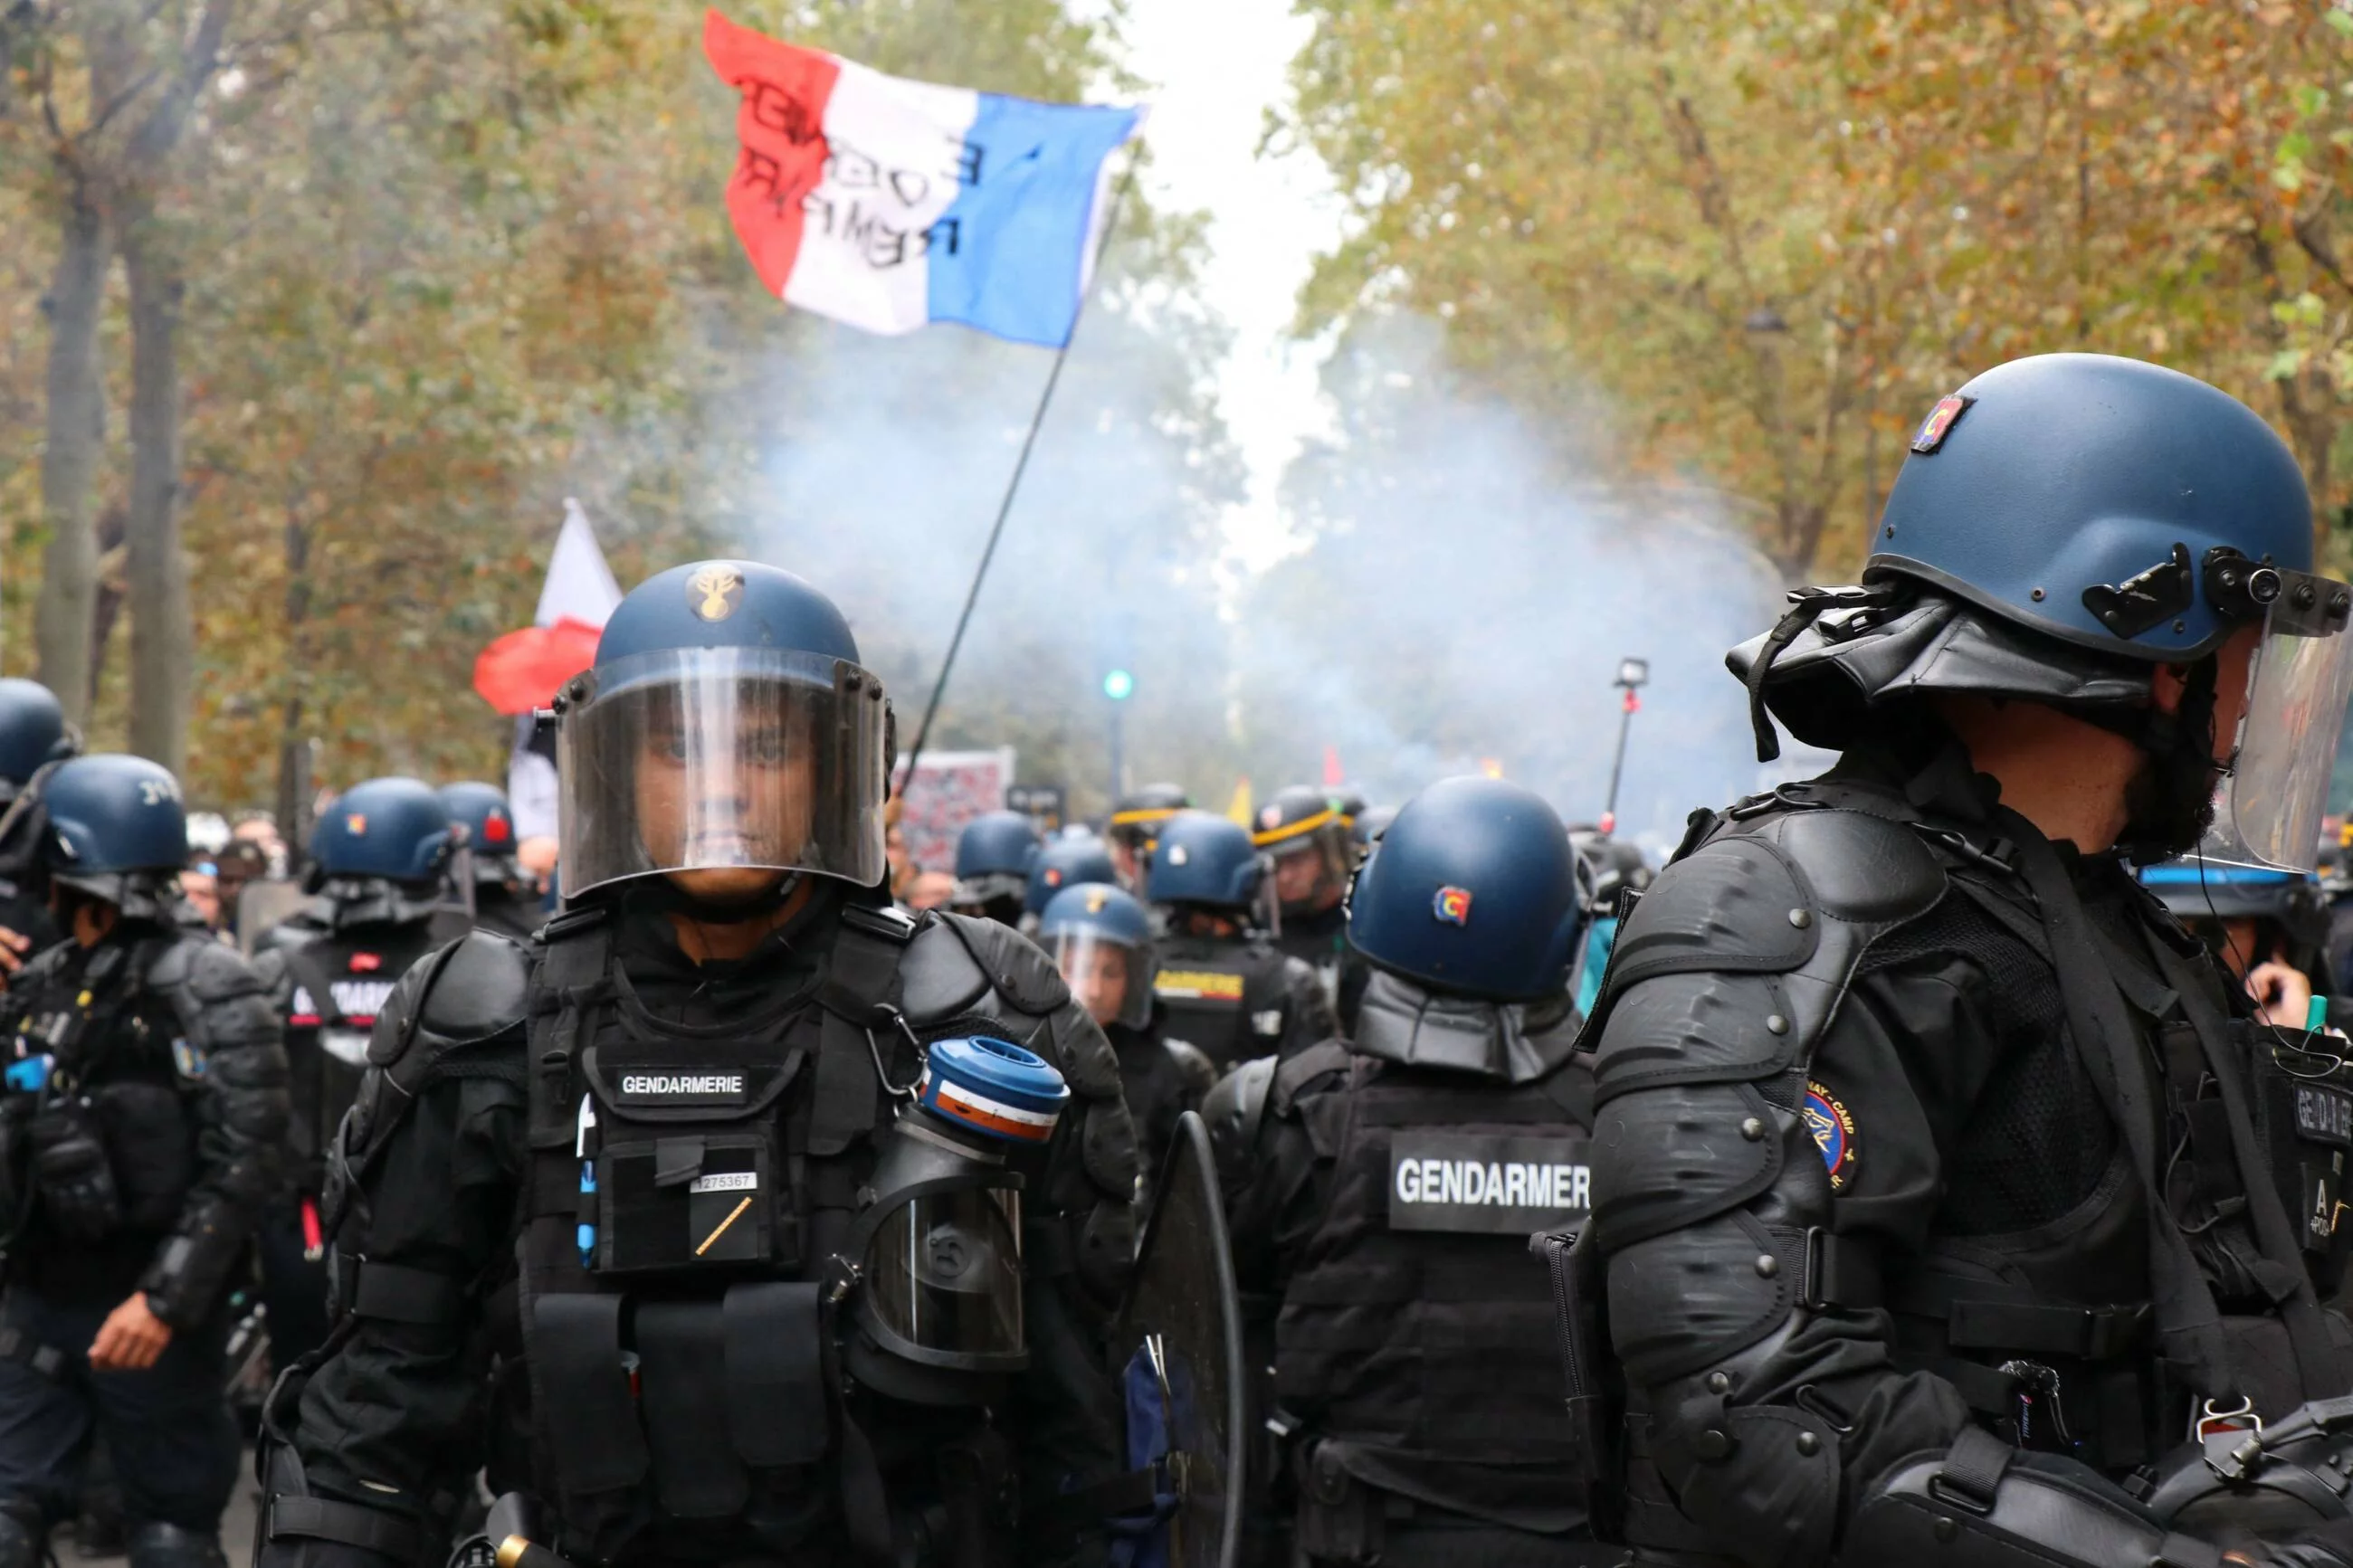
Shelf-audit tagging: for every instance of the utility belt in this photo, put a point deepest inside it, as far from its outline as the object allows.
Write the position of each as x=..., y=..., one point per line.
x=1344, y=1521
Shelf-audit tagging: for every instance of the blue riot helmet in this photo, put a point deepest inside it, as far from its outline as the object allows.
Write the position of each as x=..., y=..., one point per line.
x=727, y=726
x=2063, y=525
x=2245, y=913
x=482, y=821
x=1203, y=859
x=1473, y=890
x=1310, y=835
x=994, y=854
x=115, y=828
x=1135, y=826
x=1101, y=937
x=395, y=828
x=33, y=732
x=1066, y=863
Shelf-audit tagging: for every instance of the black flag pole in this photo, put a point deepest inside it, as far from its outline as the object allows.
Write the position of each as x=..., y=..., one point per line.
x=1013, y=487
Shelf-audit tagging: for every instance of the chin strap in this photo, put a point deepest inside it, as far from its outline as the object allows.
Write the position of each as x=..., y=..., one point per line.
x=1805, y=606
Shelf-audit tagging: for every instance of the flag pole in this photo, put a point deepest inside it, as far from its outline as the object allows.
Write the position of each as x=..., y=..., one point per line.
x=1012, y=487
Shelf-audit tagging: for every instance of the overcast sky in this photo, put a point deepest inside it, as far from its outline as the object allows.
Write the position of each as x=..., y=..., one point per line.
x=1215, y=66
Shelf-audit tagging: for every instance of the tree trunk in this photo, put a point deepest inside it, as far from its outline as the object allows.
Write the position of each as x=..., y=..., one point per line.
x=162, y=624
x=69, y=461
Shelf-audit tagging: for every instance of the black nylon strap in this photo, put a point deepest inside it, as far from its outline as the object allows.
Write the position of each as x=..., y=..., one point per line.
x=399, y=1295
x=2187, y=1324
x=1291, y=1077
x=855, y=998
x=345, y=1524
x=2320, y=1368
x=1974, y=1466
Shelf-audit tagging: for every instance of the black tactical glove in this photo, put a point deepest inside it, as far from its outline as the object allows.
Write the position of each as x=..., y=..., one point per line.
x=69, y=1167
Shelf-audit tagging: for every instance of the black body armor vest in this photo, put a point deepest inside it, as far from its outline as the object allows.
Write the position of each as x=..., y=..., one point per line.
x=1226, y=998
x=338, y=981
x=1410, y=1327
x=691, y=1197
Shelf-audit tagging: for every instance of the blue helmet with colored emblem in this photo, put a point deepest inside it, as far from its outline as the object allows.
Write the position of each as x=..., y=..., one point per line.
x=1101, y=937
x=1066, y=863
x=114, y=827
x=727, y=726
x=2063, y=525
x=1203, y=860
x=2209, y=897
x=484, y=826
x=1473, y=889
x=396, y=828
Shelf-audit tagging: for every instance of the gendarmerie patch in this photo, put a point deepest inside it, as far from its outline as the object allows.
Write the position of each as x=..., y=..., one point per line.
x=1833, y=1126
x=681, y=1086
x=1487, y=1183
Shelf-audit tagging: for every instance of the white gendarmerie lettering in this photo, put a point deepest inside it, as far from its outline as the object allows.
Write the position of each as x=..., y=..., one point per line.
x=673, y=1083
x=1498, y=1184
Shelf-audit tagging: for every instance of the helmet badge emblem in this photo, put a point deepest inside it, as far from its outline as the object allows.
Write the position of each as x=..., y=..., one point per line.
x=1452, y=905
x=716, y=591
x=1939, y=423
x=355, y=824
x=1096, y=899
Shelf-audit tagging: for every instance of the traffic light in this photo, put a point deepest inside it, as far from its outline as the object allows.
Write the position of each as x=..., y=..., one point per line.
x=1118, y=684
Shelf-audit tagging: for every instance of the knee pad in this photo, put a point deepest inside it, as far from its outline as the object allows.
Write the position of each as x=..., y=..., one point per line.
x=155, y=1545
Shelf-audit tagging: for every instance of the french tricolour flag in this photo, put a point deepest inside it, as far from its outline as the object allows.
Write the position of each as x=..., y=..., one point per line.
x=889, y=204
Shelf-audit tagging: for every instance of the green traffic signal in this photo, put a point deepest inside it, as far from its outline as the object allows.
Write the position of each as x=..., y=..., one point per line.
x=1118, y=684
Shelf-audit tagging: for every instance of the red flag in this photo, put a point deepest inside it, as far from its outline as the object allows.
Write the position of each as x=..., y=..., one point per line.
x=1333, y=775
x=524, y=670
x=782, y=127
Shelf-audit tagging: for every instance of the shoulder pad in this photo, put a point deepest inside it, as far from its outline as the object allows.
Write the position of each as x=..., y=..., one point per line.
x=1292, y=1076
x=1858, y=866
x=1193, y=1065
x=1234, y=1112
x=474, y=989
x=211, y=970
x=955, y=960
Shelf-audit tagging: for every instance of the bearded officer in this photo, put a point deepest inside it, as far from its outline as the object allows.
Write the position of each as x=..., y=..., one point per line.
x=1926, y=1175
x=1409, y=1310
x=378, y=856
x=808, y=1273
x=1228, y=991
x=144, y=1105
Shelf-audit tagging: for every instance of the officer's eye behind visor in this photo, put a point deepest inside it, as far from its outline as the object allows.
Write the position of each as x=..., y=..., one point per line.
x=714, y=758
x=2299, y=680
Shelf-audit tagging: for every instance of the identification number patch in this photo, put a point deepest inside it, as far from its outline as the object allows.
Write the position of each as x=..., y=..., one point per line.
x=1487, y=1183
x=2323, y=1115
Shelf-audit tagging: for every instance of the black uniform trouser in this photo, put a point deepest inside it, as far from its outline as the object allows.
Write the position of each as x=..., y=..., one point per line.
x=294, y=1285
x=168, y=1426
x=1430, y=1538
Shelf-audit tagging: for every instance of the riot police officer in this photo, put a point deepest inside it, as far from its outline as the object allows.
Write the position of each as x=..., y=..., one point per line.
x=1940, y=1180
x=994, y=854
x=1101, y=937
x=1311, y=839
x=1227, y=990
x=503, y=898
x=1358, y=1176
x=1135, y=825
x=144, y=1102
x=33, y=734
x=1064, y=863
x=701, y=1219
x=378, y=855
x=1619, y=874
x=2268, y=927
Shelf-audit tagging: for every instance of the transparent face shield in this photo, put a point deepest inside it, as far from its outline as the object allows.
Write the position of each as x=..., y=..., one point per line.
x=699, y=759
x=2299, y=680
x=1311, y=871
x=1110, y=979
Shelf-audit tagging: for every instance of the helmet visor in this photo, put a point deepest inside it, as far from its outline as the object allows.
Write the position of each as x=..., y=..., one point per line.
x=943, y=1272
x=1111, y=980
x=2298, y=683
x=695, y=758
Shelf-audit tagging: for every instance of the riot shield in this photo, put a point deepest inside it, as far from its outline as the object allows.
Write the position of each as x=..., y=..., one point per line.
x=263, y=904
x=1176, y=1348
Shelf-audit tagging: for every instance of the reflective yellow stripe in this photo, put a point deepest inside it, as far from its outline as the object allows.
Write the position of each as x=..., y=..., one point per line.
x=1299, y=829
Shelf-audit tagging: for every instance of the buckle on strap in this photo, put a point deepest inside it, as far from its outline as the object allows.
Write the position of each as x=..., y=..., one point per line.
x=1972, y=1472
x=1835, y=1272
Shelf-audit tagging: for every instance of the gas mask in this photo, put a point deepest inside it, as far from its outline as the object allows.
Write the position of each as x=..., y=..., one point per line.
x=938, y=1308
